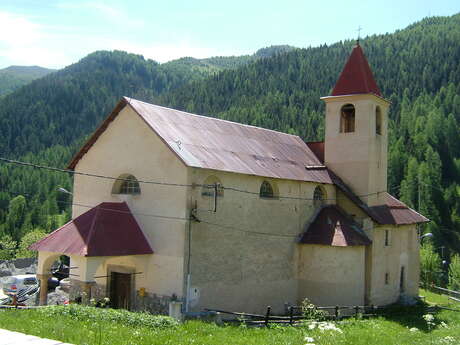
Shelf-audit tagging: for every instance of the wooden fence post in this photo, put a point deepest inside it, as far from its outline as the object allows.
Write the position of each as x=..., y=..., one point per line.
x=291, y=312
x=336, y=312
x=356, y=311
x=267, y=316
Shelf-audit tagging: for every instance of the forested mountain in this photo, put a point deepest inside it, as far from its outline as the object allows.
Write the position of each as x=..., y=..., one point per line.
x=209, y=66
x=417, y=69
x=13, y=77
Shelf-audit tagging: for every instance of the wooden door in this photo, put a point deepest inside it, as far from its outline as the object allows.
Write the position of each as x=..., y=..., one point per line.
x=120, y=290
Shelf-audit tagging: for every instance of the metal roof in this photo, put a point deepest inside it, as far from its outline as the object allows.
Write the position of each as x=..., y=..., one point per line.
x=396, y=212
x=108, y=229
x=356, y=76
x=332, y=227
x=210, y=143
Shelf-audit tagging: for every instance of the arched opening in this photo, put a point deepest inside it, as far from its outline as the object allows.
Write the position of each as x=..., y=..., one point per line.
x=378, y=121
x=347, y=118
x=126, y=184
x=319, y=195
x=209, y=187
x=267, y=190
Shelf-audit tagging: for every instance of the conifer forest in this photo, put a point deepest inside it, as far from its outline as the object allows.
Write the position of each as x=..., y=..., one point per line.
x=418, y=69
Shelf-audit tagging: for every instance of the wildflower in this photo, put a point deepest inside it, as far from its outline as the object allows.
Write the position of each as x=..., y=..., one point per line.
x=414, y=329
x=448, y=340
x=443, y=324
x=324, y=326
x=309, y=339
x=428, y=317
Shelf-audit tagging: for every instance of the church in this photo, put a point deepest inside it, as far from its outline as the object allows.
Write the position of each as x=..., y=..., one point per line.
x=171, y=206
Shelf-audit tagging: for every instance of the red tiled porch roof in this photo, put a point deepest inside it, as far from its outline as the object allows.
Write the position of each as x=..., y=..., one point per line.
x=332, y=227
x=108, y=229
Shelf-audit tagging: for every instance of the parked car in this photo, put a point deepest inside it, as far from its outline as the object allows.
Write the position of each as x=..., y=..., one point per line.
x=19, y=283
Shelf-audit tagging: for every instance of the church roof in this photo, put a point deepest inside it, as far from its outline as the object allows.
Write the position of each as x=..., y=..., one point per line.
x=332, y=227
x=108, y=229
x=210, y=143
x=356, y=76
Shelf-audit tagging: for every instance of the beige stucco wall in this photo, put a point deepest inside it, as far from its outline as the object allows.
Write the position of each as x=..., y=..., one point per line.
x=246, y=259
x=331, y=275
x=402, y=251
x=128, y=146
x=360, y=157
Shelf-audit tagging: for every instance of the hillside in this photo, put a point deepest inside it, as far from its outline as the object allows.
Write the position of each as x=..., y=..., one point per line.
x=13, y=77
x=46, y=120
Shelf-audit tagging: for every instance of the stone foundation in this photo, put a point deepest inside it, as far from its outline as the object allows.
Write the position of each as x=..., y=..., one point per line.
x=151, y=303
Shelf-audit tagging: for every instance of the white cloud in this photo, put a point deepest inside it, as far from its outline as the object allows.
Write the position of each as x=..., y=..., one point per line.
x=22, y=42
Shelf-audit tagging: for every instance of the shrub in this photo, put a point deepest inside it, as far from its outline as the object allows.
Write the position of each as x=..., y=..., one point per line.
x=310, y=311
x=125, y=317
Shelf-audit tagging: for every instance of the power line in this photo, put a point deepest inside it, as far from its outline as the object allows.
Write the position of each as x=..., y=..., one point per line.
x=32, y=165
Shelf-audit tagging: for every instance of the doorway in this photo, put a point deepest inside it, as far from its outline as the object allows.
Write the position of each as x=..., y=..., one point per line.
x=120, y=290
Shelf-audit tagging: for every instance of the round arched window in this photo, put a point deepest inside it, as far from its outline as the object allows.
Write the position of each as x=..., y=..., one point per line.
x=347, y=118
x=266, y=190
x=126, y=184
x=319, y=196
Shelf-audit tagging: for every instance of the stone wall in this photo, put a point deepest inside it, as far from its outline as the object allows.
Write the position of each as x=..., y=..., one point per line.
x=18, y=266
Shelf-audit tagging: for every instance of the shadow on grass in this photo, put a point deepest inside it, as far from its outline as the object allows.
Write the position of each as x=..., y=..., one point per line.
x=412, y=316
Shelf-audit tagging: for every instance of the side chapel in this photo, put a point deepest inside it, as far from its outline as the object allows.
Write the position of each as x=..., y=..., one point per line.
x=218, y=214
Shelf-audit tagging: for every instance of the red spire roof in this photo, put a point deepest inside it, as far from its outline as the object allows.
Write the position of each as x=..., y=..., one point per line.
x=356, y=76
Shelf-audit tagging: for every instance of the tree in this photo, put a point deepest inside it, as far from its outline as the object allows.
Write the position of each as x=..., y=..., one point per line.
x=7, y=248
x=28, y=239
x=15, y=217
x=454, y=273
x=430, y=265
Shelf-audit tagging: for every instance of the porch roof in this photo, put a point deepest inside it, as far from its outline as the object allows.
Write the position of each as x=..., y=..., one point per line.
x=332, y=227
x=109, y=229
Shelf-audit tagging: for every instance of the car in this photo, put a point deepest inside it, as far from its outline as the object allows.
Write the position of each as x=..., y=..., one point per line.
x=19, y=283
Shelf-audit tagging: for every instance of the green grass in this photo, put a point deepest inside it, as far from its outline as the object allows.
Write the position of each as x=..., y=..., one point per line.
x=102, y=326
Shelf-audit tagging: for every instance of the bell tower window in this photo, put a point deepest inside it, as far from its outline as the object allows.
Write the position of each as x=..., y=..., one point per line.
x=378, y=121
x=347, y=118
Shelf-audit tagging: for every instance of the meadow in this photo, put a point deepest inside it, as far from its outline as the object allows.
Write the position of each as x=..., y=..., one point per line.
x=88, y=325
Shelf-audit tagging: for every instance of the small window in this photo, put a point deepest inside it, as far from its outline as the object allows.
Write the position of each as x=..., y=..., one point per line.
x=378, y=121
x=209, y=187
x=126, y=184
x=318, y=196
x=387, y=238
x=30, y=281
x=347, y=118
x=402, y=283
x=387, y=278
x=266, y=190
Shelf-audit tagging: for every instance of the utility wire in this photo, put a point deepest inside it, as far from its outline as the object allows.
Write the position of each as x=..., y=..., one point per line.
x=32, y=165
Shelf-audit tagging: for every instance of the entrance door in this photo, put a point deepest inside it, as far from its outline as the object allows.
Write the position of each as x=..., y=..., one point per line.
x=120, y=290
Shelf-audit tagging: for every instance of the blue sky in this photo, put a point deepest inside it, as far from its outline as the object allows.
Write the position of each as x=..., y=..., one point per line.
x=56, y=33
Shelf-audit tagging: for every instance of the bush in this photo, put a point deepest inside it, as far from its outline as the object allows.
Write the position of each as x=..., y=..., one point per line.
x=125, y=317
x=310, y=312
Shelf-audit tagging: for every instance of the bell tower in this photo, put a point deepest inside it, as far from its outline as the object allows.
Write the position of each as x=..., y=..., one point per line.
x=356, y=138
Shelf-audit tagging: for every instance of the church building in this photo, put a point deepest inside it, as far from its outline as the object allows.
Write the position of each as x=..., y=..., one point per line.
x=171, y=206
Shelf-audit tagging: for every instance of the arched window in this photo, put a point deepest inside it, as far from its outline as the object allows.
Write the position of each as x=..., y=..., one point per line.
x=209, y=187
x=126, y=184
x=347, y=118
x=266, y=190
x=319, y=195
x=378, y=120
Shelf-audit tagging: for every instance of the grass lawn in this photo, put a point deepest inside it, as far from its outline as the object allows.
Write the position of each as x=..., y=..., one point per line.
x=84, y=327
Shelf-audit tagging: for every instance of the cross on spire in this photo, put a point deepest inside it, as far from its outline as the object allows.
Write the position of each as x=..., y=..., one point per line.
x=359, y=34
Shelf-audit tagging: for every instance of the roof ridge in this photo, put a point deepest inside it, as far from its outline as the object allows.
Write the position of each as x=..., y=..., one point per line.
x=211, y=118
